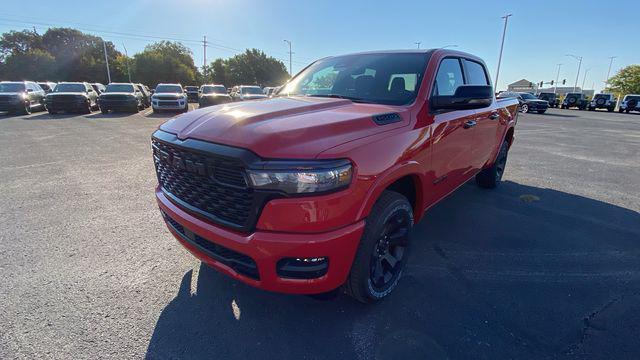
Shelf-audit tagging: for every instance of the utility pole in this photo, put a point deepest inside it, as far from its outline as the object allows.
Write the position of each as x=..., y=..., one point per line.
x=127, y=56
x=204, y=57
x=504, y=32
x=418, y=44
x=579, y=58
x=555, y=88
x=606, y=82
x=585, y=77
x=106, y=60
x=290, y=53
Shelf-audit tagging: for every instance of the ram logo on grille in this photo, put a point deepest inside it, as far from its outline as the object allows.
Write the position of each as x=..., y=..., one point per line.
x=178, y=162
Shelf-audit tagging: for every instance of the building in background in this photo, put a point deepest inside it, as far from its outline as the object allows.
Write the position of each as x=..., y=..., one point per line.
x=525, y=85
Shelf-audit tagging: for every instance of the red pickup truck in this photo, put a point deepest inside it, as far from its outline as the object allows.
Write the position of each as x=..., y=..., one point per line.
x=319, y=187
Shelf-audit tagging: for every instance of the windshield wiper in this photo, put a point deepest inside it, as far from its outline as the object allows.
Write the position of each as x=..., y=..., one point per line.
x=338, y=96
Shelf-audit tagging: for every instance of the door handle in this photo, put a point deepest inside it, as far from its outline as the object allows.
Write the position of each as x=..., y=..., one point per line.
x=470, y=124
x=494, y=116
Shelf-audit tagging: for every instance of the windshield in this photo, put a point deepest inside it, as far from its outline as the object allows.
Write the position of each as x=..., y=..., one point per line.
x=168, y=89
x=119, y=88
x=11, y=87
x=602, y=96
x=44, y=86
x=251, y=90
x=191, y=88
x=214, y=90
x=392, y=79
x=70, y=88
x=632, y=97
x=527, y=96
x=573, y=95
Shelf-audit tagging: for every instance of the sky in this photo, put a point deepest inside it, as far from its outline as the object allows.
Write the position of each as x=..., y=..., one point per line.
x=539, y=34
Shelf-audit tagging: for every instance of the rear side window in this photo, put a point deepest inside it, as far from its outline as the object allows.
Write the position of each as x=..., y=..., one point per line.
x=476, y=73
x=448, y=78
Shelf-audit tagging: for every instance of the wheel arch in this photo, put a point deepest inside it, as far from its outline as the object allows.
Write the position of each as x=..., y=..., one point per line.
x=407, y=180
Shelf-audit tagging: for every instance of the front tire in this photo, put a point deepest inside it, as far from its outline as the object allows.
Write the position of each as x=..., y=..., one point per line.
x=525, y=108
x=490, y=178
x=382, y=253
x=26, y=110
x=104, y=111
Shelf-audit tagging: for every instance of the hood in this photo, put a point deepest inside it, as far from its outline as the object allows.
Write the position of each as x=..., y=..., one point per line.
x=12, y=93
x=66, y=94
x=537, y=101
x=253, y=96
x=284, y=127
x=176, y=95
x=116, y=93
x=215, y=95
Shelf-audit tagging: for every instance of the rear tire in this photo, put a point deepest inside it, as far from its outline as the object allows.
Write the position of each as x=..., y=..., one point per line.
x=490, y=178
x=52, y=112
x=104, y=111
x=382, y=253
x=524, y=108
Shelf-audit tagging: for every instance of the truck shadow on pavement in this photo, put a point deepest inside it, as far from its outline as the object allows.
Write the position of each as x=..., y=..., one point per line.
x=519, y=272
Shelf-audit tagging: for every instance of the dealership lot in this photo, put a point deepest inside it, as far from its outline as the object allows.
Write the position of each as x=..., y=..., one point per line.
x=545, y=266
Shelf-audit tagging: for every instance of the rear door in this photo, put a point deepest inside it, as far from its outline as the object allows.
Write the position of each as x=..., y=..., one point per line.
x=453, y=133
x=487, y=119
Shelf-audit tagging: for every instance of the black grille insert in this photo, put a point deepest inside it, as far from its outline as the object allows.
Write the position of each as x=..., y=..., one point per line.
x=241, y=263
x=211, y=185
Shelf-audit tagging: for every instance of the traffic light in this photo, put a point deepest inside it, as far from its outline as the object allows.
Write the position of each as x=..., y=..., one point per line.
x=551, y=82
x=541, y=83
x=530, y=84
x=564, y=81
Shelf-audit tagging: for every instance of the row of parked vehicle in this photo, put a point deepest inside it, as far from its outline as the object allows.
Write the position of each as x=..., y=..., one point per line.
x=575, y=100
x=26, y=96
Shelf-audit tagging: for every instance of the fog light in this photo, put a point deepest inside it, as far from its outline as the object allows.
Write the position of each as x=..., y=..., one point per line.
x=302, y=268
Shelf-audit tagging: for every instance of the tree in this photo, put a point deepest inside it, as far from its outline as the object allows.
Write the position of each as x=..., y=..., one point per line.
x=165, y=61
x=626, y=81
x=60, y=54
x=249, y=68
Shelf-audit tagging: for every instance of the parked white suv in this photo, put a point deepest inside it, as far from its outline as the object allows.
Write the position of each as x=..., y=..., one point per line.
x=631, y=102
x=169, y=97
x=603, y=101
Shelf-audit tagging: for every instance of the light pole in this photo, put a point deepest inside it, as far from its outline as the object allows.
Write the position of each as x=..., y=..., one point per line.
x=290, y=69
x=585, y=77
x=579, y=58
x=606, y=82
x=127, y=56
x=106, y=60
x=504, y=32
x=418, y=44
x=555, y=88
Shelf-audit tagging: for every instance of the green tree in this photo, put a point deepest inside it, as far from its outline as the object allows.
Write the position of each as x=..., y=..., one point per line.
x=60, y=54
x=626, y=81
x=164, y=61
x=249, y=68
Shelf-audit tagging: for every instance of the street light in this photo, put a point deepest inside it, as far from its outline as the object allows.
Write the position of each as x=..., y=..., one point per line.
x=585, y=77
x=418, y=44
x=579, y=58
x=555, y=88
x=504, y=32
x=606, y=82
x=290, y=68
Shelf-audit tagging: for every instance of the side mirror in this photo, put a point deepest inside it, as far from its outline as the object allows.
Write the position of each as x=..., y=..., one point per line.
x=466, y=97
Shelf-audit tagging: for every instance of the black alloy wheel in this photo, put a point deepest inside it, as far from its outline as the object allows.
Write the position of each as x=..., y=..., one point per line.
x=387, y=259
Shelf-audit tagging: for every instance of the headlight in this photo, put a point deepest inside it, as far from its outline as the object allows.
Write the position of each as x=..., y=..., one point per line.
x=307, y=177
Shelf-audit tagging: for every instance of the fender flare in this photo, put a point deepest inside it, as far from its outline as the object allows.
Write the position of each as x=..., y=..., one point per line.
x=408, y=168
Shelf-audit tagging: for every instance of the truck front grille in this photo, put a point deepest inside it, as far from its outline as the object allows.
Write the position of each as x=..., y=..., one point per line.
x=208, y=184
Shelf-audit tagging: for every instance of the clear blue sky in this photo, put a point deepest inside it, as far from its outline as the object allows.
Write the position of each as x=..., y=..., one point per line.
x=540, y=33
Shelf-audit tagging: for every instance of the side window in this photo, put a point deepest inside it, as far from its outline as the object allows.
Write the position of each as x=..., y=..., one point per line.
x=30, y=86
x=448, y=78
x=476, y=73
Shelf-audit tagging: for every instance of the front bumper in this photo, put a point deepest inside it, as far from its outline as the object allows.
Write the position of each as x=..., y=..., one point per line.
x=168, y=104
x=118, y=104
x=66, y=106
x=266, y=249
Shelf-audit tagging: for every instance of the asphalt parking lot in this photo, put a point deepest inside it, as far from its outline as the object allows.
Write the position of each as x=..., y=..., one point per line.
x=546, y=266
